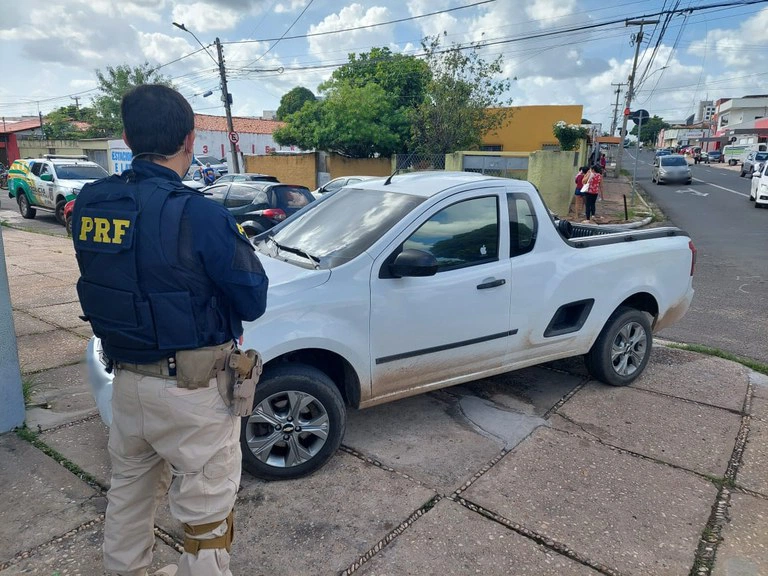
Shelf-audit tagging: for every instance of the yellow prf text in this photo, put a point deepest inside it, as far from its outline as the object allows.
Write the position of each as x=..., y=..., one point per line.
x=104, y=230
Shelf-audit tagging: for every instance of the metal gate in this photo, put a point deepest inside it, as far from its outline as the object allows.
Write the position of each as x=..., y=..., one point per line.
x=504, y=166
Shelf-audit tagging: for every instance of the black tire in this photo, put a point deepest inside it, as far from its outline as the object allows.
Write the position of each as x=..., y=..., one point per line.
x=68, y=225
x=25, y=209
x=756, y=205
x=689, y=182
x=60, y=212
x=628, y=334
x=320, y=401
x=742, y=173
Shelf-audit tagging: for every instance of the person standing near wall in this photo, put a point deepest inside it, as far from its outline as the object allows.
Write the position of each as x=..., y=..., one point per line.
x=594, y=188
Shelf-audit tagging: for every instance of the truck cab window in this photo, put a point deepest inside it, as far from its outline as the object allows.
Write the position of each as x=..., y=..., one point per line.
x=522, y=224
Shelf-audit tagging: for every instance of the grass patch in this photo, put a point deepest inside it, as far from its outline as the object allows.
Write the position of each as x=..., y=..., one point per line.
x=701, y=349
x=33, y=438
x=28, y=385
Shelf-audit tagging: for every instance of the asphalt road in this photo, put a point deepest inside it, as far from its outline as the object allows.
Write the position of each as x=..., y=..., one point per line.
x=730, y=308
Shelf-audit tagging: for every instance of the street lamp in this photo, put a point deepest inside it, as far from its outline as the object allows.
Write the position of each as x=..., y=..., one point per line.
x=225, y=95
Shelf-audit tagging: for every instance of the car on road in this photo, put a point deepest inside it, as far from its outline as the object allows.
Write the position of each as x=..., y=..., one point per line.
x=700, y=155
x=68, y=207
x=338, y=183
x=714, y=156
x=662, y=152
x=759, y=190
x=671, y=168
x=751, y=162
x=48, y=183
x=246, y=177
x=408, y=284
x=258, y=206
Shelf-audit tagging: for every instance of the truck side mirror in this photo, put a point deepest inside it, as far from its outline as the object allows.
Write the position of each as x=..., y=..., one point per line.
x=46, y=177
x=414, y=262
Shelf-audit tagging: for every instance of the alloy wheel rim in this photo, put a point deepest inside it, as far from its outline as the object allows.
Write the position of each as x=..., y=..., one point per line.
x=629, y=349
x=287, y=429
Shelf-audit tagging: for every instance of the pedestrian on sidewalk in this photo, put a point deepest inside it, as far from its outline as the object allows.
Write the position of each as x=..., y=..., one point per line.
x=578, y=195
x=166, y=277
x=594, y=189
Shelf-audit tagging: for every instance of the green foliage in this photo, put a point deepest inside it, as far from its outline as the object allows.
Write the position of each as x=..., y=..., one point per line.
x=293, y=101
x=58, y=125
x=301, y=128
x=113, y=84
x=651, y=130
x=454, y=114
x=569, y=135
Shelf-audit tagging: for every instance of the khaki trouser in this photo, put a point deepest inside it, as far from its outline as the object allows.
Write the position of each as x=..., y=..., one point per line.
x=159, y=430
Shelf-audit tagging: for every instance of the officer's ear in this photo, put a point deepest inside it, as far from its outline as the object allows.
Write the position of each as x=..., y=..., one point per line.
x=189, y=142
x=125, y=139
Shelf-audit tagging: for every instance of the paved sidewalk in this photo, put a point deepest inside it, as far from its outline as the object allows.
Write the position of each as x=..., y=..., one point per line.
x=539, y=472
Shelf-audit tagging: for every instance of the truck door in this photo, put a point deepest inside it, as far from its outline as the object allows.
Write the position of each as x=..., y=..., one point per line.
x=47, y=187
x=440, y=329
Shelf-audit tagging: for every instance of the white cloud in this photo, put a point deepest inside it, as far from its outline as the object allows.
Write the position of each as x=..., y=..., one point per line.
x=335, y=47
x=292, y=6
x=546, y=11
x=202, y=17
x=731, y=47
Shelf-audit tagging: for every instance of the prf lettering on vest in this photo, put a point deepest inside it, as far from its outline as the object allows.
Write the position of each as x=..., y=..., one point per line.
x=100, y=228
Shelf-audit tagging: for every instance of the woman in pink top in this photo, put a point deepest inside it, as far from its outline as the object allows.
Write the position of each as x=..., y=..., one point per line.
x=595, y=188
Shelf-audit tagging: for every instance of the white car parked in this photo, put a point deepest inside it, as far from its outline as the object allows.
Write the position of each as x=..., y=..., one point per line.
x=759, y=191
x=338, y=183
x=412, y=283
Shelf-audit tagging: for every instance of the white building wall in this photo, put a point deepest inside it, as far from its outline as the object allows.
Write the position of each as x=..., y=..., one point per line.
x=213, y=143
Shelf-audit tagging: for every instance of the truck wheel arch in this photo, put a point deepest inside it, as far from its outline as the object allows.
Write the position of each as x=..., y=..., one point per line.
x=644, y=302
x=335, y=366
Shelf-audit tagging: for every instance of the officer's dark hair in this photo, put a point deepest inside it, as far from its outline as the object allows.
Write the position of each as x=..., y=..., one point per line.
x=156, y=119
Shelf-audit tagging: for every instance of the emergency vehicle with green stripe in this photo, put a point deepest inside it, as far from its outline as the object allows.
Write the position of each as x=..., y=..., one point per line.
x=48, y=183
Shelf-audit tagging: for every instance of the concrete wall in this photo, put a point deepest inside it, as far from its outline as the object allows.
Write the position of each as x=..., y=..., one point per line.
x=343, y=166
x=34, y=148
x=553, y=174
x=300, y=169
x=303, y=169
x=531, y=127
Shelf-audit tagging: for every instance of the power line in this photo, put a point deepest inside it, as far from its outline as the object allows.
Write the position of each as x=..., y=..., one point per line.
x=399, y=20
x=284, y=34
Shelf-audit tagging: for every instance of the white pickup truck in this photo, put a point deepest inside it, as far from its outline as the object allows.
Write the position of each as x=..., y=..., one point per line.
x=403, y=285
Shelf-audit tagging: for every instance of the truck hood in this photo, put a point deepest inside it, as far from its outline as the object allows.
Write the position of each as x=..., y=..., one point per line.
x=75, y=184
x=286, y=278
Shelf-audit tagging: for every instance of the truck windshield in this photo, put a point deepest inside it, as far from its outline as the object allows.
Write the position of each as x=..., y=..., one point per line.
x=344, y=225
x=80, y=172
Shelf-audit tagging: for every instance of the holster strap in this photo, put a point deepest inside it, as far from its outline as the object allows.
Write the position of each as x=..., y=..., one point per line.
x=193, y=545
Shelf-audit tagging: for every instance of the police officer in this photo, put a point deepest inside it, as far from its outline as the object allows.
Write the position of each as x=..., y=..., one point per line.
x=209, y=174
x=163, y=270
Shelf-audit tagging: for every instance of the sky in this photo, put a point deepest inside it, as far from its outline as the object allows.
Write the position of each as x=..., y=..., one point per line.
x=52, y=48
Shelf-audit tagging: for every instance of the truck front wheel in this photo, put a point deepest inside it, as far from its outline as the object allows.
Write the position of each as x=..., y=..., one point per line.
x=297, y=424
x=25, y=209
x=60, y=211
x=621, y=351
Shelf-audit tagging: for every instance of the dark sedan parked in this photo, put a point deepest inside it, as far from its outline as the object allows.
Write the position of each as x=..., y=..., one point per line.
x=258, y=206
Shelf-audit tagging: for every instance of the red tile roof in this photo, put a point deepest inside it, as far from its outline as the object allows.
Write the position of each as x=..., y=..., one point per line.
x=241, y=124
x=8, y=127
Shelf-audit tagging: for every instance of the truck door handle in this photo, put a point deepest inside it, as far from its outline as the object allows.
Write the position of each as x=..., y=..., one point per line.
x=491, y=284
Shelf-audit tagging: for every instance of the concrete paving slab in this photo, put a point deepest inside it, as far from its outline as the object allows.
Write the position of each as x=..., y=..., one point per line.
x=452, y=540
x=42, y=500
x=759, y=385
x=754, y=461
x=530, y=391
x=315, y=525
x=85, y=444
x=46, y=292
x=426, y=437
x=59, y=396
x=80, y=554
x=64, y=315
x=629, y=513
x=27, y=324
x=760, y=409
x=744, y=549
x=693, y=436
x=85, y=331
x=50, y=350
x=697, y=377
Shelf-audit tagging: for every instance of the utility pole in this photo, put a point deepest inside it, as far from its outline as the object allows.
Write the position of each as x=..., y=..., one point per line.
x=227, y=103
x=638, y=39
x=616, y=108
x=77, y=102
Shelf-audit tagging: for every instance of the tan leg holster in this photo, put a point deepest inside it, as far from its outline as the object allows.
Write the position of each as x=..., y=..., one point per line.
x=192, y=545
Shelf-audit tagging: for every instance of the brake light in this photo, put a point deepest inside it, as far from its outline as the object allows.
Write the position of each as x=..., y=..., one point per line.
x=693, y=256
x=274, y=214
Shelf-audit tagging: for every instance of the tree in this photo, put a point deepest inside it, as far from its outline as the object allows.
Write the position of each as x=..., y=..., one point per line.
x=58, y=125
x=367, y=106
x=113, y=84
x=293, y=101
x=356, y=121
x=651, y=129
x=454, y=114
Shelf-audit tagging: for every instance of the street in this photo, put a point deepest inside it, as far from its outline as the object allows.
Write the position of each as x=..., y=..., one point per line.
x=731, y=236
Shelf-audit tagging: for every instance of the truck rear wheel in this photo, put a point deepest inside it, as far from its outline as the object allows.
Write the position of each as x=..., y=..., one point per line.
x=621, y=351
x=25, y=209
x=60, y=211
x=297, y=423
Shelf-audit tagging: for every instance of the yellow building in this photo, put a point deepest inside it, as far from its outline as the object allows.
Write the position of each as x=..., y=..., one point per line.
x=531, y=128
